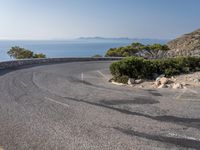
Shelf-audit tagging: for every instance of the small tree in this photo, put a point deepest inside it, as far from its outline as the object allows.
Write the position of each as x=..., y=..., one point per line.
x=154, y=51
x=157, y=50
x=22, y=53
x=137, y=49
x=39, y=55
x=97, y=55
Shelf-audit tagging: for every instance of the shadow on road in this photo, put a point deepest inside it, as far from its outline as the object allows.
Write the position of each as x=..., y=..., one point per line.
x=153, y=92
x=186, y=143
x=188, y=122
x=76, y=80
x=137, y=100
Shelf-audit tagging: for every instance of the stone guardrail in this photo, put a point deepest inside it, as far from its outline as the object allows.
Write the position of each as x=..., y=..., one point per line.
x=25, y=62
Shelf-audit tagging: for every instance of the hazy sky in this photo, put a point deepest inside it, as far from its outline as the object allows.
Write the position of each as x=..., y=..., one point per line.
x=64, y=19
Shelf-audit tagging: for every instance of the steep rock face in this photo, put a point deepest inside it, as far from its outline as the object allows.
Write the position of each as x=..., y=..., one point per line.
x=186, y=45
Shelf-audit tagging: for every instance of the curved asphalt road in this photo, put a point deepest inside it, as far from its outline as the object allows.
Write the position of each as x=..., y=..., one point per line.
x=71, y=106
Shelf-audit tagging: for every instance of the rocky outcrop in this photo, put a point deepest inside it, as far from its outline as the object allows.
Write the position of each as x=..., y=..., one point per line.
x=186, y=45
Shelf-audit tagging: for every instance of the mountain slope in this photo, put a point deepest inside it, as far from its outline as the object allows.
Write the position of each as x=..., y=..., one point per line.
x=186, y=45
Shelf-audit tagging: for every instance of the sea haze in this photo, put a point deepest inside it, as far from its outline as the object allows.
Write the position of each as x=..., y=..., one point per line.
x=82, y=47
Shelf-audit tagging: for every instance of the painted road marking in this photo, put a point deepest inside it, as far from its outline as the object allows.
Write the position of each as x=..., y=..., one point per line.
x=186, y=89
x=23, y=84
x=179, y=96
x=82, y=76
x=57, y=102
x=193, y=91
x=102, y=74
x=182, y=136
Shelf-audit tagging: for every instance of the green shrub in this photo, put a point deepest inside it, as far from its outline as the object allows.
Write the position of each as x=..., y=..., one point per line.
x=39, y=56
x=138, y=49
x=121, y=79
x=135, y=67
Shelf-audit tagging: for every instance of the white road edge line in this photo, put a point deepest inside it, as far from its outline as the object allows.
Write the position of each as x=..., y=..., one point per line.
x=82, y=76
x=186, y=89
x=52, y=100
x=179, y=96
x=185, y=137
x=23, y=84
x=102, y=74
x=193, y=91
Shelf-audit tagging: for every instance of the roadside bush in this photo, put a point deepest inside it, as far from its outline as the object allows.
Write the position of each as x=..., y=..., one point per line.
x=140, y=68
x=39, y=55
x=121, y=79
x=138, y=49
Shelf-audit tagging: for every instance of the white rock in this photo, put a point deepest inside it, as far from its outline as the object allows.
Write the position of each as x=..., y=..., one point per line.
x=157, y=79
x=162, y=86
x=196, y=80
x=164, y=80
x=161, y=81
x=185, y=87
x=172, y=77
x=116, y=83
x=169, y=85
x=131, y=81
x=161, y=76
x=177, y=86
x=138, y=81
x=183, y=83
x=157, y=83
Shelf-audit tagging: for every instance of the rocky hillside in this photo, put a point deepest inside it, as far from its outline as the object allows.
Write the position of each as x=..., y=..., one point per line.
x=186, y=45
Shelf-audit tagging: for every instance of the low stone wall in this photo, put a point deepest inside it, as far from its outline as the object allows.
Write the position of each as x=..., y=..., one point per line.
x=25, y=62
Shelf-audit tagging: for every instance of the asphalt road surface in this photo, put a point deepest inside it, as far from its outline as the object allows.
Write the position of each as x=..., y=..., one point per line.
x=71, y=106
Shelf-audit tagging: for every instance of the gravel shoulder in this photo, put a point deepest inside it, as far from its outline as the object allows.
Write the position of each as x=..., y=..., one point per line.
x=190, y=81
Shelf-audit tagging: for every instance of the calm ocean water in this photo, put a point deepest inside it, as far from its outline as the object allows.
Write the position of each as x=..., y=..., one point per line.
x=73, y=48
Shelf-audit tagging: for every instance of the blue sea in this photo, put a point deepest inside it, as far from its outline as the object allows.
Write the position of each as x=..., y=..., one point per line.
x=69, y=48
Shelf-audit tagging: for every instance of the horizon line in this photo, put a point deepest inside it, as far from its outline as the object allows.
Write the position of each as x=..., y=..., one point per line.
x=83, y=38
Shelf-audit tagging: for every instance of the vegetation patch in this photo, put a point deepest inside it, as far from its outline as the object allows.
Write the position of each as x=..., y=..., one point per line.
x=22, y=53
x=121, y=79
x=138, y=49
x=96, y=56
x=140, y=68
